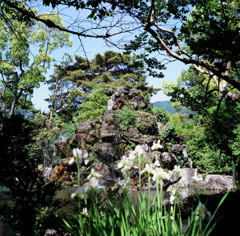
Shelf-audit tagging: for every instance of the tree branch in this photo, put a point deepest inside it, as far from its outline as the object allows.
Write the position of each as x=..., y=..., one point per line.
x=29, y=13
x=197, y=63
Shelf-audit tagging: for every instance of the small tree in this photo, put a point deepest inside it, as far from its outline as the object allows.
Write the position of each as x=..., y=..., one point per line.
x=24, y=59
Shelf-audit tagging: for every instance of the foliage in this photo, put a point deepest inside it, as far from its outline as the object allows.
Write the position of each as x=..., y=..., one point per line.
x=95, y=105
x=26, y=48
x=192, y=90
x=88, y=84
x=217, y=119
x=235, y=142
x=167, y=134
x=21, y=69
x=147, y=218
x=50, y=129
x=193, y=41
x=184, y=30
x=126, y=117
x=25, y=186
x=212, y=135
x=161, y=114
x=203, y=150
x=146, y=122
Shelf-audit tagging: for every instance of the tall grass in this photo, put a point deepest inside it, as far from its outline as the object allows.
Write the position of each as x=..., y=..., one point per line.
x=149, y=217
x=120, y=216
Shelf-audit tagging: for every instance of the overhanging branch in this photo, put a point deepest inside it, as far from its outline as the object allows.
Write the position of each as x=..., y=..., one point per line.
x=29, y=13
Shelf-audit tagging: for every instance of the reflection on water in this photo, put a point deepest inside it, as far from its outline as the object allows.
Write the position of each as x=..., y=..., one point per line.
x=185, y=192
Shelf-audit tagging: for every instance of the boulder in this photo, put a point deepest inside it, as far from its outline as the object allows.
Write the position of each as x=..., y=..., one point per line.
x=177, y=148
x=219, y=182
x=155, y=156
x=138, y=102
x=111, y=104
x=210, y=182
x=168, y=160
x=96, y=123
x=187, y=180
x=83, y=127
x=108, y=178
x=93, y=136
x=62, y=147
x=108, y=130
x=134, y=135
x=78, y=140
x=109, y=117
x=105, y=151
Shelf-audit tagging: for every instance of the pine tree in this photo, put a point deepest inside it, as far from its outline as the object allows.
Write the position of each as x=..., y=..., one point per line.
x=85, y=86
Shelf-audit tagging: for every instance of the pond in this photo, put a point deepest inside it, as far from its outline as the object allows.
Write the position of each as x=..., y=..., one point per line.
x=185, y=192
x=228, y=217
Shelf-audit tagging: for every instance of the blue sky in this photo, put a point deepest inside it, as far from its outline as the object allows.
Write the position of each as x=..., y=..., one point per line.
x=93, y=46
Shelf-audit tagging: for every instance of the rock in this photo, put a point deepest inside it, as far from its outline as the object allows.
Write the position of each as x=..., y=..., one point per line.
x=138, y=102
x=62, y=147
x=96, y=123
x=108, y=174
x=83, y=127
x=149, y=139
x=168, y=160
x=47, y=172
x=132, y=93
x=93, y=136
x=160, y=127
x=109, y=117
x=78, y=140
x=177, y=148
x=58, y=172
x=210, y=182
x=108, y=130
x=186, y=177
x=182, y=149
x=116, y=139
x=111, y=104
x=143, y=150
x=134, y=135
x=119, y=98
x=219, y=182
x=105, y=151
x=155, y=156
x=65, y=161
x=146, y=122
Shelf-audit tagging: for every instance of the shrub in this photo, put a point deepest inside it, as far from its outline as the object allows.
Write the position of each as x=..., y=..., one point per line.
x=126, y=117
x=146, y=122
x=161, y=114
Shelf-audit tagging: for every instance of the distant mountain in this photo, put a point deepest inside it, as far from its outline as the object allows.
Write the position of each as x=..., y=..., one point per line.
x=167, y=105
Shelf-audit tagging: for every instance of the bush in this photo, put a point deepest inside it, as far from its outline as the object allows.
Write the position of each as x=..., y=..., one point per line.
x=161, y=114
x=146, y=123
x=126, y=117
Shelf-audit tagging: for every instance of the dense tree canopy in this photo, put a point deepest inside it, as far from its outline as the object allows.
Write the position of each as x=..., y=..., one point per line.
x=83, y=84
x=25, y=56
x=218, y=117
x=184, y=30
